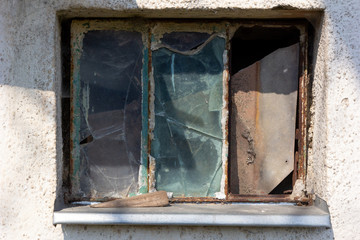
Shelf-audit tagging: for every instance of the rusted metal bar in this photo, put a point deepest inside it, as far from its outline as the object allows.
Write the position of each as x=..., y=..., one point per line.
x=227, y=100
x=303, y=104
x=265, y=198
x=231, y=198
x=243, y=198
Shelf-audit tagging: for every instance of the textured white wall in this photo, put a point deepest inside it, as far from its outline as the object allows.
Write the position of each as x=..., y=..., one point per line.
x=30, y=135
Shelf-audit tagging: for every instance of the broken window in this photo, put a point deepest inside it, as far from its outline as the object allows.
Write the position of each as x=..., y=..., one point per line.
x=187, y=140
x=264, y=92
x=205, y=111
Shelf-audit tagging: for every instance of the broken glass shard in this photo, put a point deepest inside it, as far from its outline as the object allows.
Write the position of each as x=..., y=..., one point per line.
x=110, y=112
x=263, y=120
x=184, y=41
x=188, y=133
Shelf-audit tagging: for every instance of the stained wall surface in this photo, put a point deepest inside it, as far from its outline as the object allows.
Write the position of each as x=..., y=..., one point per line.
x=30, y=114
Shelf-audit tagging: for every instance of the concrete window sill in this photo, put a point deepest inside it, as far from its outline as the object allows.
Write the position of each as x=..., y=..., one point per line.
x=240, y=214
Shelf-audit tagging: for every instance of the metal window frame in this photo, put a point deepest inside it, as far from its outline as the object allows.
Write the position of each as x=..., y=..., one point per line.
x=300, y=159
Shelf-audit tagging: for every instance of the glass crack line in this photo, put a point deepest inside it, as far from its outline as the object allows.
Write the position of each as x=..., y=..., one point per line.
x=188, y=53
x=173, y=121
x=213, y=176
x=131, y=77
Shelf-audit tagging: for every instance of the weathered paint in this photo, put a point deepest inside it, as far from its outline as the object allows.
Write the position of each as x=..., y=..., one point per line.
x=151, y=117
x=225, y=118
x=76, y=51
x=151, y=170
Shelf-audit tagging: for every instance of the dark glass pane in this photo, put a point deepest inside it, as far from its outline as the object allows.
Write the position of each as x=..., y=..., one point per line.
x=110, y=102
x=187, y=136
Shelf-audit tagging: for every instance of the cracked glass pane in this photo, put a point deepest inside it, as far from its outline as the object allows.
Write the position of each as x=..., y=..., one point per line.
x=188, y=135
x=110, y=112
x=184, y=41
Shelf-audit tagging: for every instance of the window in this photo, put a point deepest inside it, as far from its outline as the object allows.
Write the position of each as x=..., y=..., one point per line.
x=207, y=111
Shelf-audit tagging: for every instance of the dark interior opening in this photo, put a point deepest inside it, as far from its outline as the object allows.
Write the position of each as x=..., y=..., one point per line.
x=251, y=44
x=247, y=46
x=285, y=187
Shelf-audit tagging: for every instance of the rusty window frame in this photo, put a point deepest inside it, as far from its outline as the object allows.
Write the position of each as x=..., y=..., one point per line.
x=302, y=114
x=300, y=156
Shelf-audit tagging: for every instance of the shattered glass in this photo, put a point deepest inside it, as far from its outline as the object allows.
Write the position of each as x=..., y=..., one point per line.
x=184, y=41
x=110, y=113
x=187, y=139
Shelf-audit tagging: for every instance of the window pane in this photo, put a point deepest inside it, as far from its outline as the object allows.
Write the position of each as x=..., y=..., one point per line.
x=187, y=136
x=110, y=114
x=263, y=120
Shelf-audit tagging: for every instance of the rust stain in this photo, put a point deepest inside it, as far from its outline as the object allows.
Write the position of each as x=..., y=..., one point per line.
x=303, y=105
x=301, y=141
x=243, y=113
x=262, y=198
x=231, y=199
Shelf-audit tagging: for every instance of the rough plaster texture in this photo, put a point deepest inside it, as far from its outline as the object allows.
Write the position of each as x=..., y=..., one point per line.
x=30, y=143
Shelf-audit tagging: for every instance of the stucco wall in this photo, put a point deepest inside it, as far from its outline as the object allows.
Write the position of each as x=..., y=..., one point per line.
x=30, y=134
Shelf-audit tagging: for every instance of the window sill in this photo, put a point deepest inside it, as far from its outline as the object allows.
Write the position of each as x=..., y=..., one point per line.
x=241, y=214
